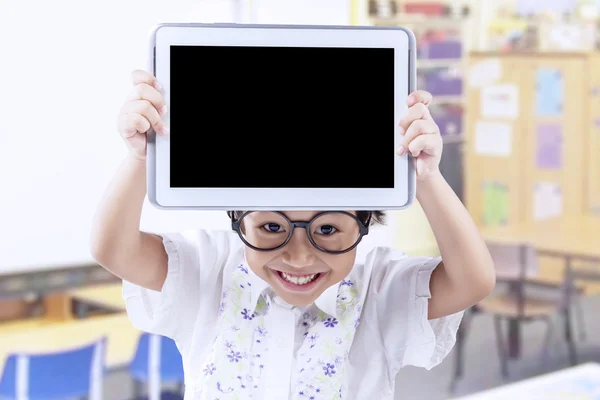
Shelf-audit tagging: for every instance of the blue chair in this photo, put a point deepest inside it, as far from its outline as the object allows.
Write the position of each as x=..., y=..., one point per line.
x=157, y=361
x=68, y=374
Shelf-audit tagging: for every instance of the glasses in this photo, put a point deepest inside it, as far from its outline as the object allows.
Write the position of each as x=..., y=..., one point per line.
x=332, y=232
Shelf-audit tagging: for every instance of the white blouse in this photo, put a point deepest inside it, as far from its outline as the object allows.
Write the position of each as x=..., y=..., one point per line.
x=239, y=340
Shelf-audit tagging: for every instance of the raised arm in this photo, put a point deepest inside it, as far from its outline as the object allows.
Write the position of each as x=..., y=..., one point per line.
x=466, y=274
x=116, y=240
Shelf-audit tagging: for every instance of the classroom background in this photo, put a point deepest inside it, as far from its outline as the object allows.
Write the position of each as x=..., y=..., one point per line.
x=516, y=88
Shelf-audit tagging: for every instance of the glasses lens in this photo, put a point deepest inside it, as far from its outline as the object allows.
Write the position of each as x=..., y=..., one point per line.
x=264, y=230
x=335, y=231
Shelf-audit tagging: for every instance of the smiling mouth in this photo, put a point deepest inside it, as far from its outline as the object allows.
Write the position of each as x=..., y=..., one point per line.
x=299, y=282
x=298, y=279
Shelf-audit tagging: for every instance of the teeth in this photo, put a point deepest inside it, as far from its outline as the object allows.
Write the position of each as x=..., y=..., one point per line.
x=298, y=280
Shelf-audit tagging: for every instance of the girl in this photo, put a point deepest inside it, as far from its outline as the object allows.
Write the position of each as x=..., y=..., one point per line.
x=277, y=308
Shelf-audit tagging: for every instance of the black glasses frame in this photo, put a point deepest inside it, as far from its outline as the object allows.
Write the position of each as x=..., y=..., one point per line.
x=363, y=230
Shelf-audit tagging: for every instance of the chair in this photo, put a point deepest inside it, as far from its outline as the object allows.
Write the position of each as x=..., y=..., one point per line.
x=157, y=361
x=68, y=374
x=525, y=299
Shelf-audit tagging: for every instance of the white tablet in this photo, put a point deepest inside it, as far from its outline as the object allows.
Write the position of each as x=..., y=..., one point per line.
x=281, y=117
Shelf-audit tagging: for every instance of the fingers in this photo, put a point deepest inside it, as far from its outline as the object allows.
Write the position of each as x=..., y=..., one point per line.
x=417, y=128
x=143, y=91
x=416, y=112
x=139, y=76
x=130, y=124
x=420, y=96
x=427, y=143
x=146, y=110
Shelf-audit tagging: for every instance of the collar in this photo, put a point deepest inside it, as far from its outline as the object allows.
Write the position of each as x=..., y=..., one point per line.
x=327, y=302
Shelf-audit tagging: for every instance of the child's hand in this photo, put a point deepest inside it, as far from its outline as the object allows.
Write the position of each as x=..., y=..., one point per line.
x=421, y=135
x=142, y=110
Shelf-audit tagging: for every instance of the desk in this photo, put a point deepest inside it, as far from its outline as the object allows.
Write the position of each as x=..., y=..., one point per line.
x=121, y=335
x=580, y=382
x=107, y=296
x=576, y=238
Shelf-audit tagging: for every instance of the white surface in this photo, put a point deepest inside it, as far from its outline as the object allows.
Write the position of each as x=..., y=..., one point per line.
x=500, y=101
x=547, y=201
x=493, y=138
x=581, y=382
x=315, y=12
x=312, y=198
x=64, y=74
x=485, y=73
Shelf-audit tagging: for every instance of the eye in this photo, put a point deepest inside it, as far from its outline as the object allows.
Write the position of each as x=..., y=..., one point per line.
x=273, y=227
x=326, y=230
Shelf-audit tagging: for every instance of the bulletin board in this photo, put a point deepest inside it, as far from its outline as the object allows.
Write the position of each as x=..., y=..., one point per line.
x=494, y=141
x=556, y=130
x=593, y=183
x=528, y=150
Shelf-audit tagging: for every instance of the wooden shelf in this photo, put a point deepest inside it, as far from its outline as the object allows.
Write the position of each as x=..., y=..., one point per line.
x=448, y=99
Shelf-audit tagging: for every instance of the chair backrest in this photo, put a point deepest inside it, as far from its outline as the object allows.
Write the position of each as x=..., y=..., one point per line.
x=157, y=360
x=71, y=373
x=514, y=261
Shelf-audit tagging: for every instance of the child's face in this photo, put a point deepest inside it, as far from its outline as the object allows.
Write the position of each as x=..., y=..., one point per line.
x=289, y=270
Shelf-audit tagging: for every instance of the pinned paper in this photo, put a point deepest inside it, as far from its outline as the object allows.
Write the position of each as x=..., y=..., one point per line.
x=500, y=101
x=549, y=146
x=549, y=95
x=547, y=201
x=495, y=203
x=493, y=138
x=485, y=73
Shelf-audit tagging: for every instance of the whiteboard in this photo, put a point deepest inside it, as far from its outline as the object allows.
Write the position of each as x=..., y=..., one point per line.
x=64, y=76
x=312, y=12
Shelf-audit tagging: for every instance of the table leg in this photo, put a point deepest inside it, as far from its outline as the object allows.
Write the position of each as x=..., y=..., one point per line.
x=514, y=338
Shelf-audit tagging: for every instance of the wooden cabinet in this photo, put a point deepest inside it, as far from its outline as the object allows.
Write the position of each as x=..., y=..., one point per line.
x=532, y=137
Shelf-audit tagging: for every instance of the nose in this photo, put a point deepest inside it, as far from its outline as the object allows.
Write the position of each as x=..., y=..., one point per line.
x=299, y=252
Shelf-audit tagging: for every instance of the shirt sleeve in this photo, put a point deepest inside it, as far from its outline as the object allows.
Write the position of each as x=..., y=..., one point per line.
x=194, y=257
x=409, y=337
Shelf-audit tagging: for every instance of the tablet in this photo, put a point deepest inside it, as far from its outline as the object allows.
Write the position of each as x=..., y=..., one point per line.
x=281, y=117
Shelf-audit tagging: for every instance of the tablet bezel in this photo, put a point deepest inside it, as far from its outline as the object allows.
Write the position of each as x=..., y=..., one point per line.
x=162, y=196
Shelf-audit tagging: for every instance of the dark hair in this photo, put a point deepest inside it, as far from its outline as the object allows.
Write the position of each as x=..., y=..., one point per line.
x=377, y=217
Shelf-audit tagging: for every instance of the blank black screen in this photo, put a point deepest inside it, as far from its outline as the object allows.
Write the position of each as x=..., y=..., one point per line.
x=282, y=117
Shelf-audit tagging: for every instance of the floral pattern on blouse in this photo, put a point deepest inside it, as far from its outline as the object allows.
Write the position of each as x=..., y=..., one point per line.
x=236, y=364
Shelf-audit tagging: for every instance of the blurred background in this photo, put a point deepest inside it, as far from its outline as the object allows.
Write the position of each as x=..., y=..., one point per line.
x=516, y=87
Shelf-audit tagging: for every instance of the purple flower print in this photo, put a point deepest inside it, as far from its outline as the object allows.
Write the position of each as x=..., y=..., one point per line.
x=347, y=282
x=261, y=331
x=247, y=315
x=220, y=389
x=243, y=269
x=222, y=308
x=329, y=369
x=313, y=339
x=210, y=368
x=330, y=322
x=234, y=356
x=228, y=345
x=356, y=323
